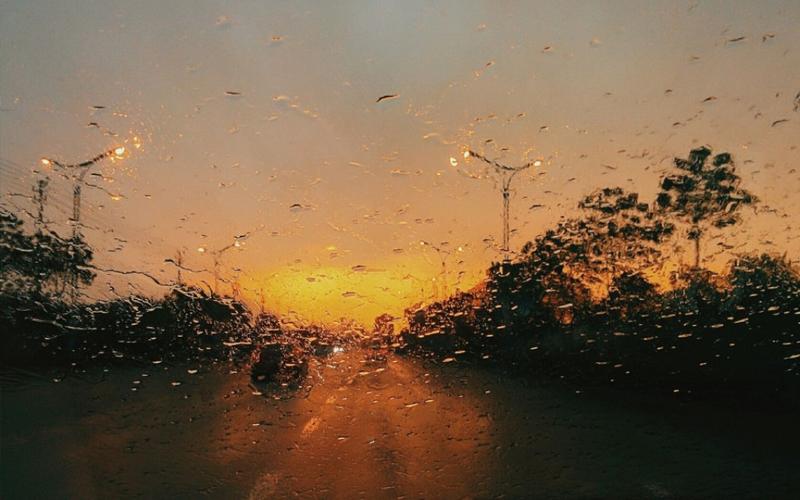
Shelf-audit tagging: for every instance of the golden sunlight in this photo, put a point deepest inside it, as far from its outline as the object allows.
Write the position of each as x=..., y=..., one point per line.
x=326, y=294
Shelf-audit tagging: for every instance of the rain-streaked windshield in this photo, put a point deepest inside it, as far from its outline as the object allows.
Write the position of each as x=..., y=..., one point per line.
x=373, y=249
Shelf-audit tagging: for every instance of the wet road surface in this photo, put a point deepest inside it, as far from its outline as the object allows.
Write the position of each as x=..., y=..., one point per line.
x=401, y=428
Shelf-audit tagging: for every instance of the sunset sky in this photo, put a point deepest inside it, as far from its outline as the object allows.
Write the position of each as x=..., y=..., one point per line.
x=260, y=119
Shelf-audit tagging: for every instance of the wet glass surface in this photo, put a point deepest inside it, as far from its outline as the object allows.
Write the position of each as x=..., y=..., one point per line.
x=399, y=250
x=403, y=429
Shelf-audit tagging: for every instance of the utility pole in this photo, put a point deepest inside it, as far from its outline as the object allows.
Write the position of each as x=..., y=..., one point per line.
x=39, y=198
x=179, y=265
x=238, y=242
x=217, y=256
x=421, y=284
x=236, y=285
x=82, y=169
x=78, y=171
x=443, y=254
x=508, y=174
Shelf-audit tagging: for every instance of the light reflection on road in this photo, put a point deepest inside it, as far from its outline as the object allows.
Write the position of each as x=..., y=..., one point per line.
x=384, y=429
x=403, y=428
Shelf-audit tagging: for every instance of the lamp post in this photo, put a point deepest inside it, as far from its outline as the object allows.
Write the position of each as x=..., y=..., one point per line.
x=39, y=199
x=508, y=173
x=217, y=258
x=443, y=254
x=180, y=266
x=78, y=171
x=418, y=280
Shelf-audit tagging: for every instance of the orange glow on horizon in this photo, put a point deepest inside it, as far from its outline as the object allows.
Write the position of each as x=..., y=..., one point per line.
x=325, y=294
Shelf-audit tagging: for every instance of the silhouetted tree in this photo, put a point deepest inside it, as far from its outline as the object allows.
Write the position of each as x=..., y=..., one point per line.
x=15, y=246
x=617, y=234
x=703, y=194
x=622, y=233
x=28, y=262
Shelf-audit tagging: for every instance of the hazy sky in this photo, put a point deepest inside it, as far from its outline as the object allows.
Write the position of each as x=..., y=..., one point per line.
x=340, y=189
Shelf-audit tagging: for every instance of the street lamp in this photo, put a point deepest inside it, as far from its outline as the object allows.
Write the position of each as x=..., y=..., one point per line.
x=444, y=254
x=78, y=171
x=507, y=173
x=238, y=242
x=418, y=280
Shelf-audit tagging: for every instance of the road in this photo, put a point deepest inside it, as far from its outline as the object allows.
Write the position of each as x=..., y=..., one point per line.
x=403, y=428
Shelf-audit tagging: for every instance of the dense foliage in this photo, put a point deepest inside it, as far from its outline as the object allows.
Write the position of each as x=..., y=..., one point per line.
x=581, y=301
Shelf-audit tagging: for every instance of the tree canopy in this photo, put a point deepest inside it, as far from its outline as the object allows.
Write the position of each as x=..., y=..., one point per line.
x=703, y=194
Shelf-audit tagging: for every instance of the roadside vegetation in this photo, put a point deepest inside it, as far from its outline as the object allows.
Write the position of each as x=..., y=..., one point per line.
x=590, y=300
